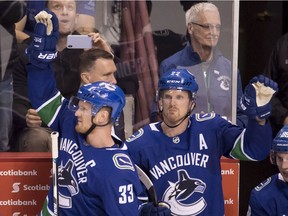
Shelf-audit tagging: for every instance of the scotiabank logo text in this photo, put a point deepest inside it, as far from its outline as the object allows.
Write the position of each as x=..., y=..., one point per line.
x=18, y=202
x=21, y=214
x=17, y=187
x=12, y=172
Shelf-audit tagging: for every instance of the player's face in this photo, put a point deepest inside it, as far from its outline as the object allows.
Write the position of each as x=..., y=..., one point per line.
x=282, y=163
x=206, y=31
x=65, y=11
x=84, y=115
x=103, y=70
x=175, y=104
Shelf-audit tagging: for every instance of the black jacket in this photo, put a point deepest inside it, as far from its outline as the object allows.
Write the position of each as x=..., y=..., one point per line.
x=66, y=74
x=10, y=13
x=277, y=69
x=66, y=68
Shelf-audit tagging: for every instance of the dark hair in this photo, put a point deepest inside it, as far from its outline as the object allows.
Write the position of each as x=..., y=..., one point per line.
x=149, y=6
x=188, y=4
x=88, y=58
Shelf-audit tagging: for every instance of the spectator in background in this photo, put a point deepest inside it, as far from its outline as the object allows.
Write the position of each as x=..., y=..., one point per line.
x=277, y=69
x=10, y=13
x=163, y=37
x=188, y=4
x=33, y=137
x=66, y=66
x=271, y=196
x=86, y=16
x=211, y=69
x=85, y=21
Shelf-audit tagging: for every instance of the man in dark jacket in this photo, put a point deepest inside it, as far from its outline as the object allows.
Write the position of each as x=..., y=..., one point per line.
x=33, y=137
x=211, y=69
x=66, y=67
x=277, y=69
x=10, y=13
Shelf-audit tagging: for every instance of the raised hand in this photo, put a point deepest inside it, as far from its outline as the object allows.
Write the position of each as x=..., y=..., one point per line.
x=45, y=18
x=255, y=101
x=100, y=42
x=42, y=50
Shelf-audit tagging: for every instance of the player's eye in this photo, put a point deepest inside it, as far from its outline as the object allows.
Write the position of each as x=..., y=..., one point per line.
x=71, y=7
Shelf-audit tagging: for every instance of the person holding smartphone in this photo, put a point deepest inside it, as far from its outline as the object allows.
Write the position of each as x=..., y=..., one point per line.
x=29, y=133
x=85, y=22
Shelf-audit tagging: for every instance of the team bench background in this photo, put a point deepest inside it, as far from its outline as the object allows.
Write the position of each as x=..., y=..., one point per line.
x=25, y=180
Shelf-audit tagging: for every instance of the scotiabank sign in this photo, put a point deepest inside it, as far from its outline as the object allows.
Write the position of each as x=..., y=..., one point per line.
x=25, y=181
x=230, y=181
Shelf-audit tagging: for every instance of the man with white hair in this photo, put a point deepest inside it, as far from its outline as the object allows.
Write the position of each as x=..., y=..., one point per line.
x=211, y=69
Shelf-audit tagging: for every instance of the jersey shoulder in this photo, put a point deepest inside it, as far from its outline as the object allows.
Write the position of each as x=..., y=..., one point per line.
x=199, y=117
x=207, y=117
x=145, y=138
x=264, y=194
x=267, y=186
x=145, y=132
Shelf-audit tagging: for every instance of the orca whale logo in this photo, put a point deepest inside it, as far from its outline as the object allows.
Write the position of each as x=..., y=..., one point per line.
x=182, y=190
x=66, y=178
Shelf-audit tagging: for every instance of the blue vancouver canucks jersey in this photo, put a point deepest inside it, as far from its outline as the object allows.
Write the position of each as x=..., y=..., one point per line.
x=270, y=197
x=91, y=181
x=186, y=169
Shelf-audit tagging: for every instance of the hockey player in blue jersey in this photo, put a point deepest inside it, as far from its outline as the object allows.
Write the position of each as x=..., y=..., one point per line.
x=95, y=174
x=181, y=154
x=271, y=196
x=204, y=59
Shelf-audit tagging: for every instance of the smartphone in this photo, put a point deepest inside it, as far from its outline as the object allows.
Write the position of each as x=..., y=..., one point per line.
x=79, y=42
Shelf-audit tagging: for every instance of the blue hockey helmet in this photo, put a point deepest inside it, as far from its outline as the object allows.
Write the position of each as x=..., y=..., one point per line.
x=100, y=94
x=179, y=79
x=280, y=143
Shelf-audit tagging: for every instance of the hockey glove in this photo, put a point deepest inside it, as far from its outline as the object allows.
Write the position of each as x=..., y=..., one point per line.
x=149, y=209
x=42, y=50
x=255, y=101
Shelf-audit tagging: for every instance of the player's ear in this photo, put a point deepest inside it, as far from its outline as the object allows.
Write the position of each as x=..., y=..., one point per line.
x=85, y=77
x=272, y=158
x=103, y=116
x=192, y=105
x=160, y=106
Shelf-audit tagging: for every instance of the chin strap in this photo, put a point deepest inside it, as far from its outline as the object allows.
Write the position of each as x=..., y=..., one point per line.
x=93, y=126
x=89, y=130
x=170, y=126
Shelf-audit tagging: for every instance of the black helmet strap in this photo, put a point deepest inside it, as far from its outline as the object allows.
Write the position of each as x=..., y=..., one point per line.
x=93, y=126
x=186, y=116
